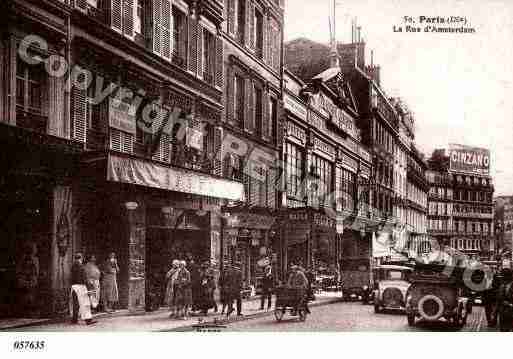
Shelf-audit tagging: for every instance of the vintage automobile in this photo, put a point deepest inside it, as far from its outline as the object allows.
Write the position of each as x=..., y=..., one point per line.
x=391, y=283
x=437, y=292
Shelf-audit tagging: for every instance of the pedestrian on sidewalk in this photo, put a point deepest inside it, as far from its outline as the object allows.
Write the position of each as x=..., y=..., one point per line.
x=80, y=303
x=267, y=288
x=195, y=271
x=223, y=286
x=171, y=278
x=110, y=284
x=27, y=279
x=206, y=299
x=235, y=286
x=182, y=291
x=93, y=275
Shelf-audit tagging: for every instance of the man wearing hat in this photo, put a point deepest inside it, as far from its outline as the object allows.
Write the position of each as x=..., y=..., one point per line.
x=80, y=303
x=267, y=287
x=234, y=280
x=505, y=301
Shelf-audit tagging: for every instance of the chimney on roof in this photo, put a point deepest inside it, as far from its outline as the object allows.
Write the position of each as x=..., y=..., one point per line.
x=334, y=57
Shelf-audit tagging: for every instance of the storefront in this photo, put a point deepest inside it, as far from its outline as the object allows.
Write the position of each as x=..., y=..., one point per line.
x=151, y=214
x=309, y=238
x=251, y=242
x=35, y=172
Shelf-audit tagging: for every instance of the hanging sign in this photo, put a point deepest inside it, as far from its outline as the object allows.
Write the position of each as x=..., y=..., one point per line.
x=194, y=139
x=121, y=116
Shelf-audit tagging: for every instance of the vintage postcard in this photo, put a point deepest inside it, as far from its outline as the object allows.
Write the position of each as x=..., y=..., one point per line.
x=210, y=166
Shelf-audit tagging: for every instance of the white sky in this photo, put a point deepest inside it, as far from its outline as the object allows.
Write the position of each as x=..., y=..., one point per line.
x=460, y=86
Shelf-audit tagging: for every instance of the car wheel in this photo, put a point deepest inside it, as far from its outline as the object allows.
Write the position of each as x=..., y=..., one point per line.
x=411, y=319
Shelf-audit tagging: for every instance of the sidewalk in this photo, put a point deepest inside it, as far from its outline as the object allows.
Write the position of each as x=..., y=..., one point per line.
x=155, y=321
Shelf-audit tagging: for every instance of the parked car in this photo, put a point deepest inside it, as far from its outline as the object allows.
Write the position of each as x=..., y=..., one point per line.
x=434, y=294
x=392, y=283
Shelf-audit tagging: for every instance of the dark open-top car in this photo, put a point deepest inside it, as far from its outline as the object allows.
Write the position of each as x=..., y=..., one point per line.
x=437, y=292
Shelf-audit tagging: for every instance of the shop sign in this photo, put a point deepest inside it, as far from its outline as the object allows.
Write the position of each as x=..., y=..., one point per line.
x=121, y=116
x=295, y=107
x=251, y=220
x=255, y=242
x=194, y=139
x=233, y=232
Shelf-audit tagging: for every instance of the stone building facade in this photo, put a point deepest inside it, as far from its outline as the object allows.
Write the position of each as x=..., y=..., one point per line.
x=118, y=117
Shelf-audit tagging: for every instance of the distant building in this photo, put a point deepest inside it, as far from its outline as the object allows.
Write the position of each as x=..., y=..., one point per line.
x=460, y=200
x=503, y=216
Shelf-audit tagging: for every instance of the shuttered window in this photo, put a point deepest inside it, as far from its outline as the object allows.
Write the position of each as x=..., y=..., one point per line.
x=259, y=34
x=122, y=16
x=121, y=141
x=162, y=28
x=179, y=38
x=238, y=99
x=208, y=56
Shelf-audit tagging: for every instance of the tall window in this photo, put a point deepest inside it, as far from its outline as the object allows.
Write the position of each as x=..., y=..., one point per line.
x=346, y=180
x=241, y=20
x=323, y=187
x=29, y=87
x=179, y=37
x=295, y=173
x=258, y=110
x=259, y=34
x=238, y=99
x=273, y=117
x=139, y=17
x=208, y=56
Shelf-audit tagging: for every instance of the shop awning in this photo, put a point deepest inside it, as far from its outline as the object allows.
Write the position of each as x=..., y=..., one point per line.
x=149, y=174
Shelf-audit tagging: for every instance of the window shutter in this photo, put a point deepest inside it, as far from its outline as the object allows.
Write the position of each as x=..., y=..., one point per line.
x=128, y=18
x=266, y=116
x=157, y=25
x=250, y=113
x=78, y=114
x=218, y=150
x=193, y=45
x=166, y=29
x=81, y=5
x=247, y=32
x=219, y=68
x=231, y=16
x=230, y=102
x=202, y=67
x=266, y=37
x=251, y=21
x=271, y=188
x=116, y=15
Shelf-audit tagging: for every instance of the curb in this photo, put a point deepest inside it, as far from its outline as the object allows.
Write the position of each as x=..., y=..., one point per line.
x=212, y=324
x=117, y=314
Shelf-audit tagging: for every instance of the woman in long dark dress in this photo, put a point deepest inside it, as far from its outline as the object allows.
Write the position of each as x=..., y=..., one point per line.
x=109, y=291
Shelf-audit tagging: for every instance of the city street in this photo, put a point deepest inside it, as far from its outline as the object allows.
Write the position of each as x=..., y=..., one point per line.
x=353, y=317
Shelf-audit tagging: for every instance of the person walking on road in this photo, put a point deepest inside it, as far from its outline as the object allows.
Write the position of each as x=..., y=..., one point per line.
x=110, y=284
x=171, y=277
x=267, y=288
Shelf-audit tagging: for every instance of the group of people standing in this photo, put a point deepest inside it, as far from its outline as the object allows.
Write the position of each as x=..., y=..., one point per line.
x=190, y=289
x=93, y=287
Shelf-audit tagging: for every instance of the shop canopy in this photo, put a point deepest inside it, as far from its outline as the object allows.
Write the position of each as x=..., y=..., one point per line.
x=149, y=174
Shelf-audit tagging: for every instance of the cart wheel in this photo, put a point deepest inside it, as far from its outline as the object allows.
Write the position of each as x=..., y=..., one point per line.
x=278, y=313
x=302, y=315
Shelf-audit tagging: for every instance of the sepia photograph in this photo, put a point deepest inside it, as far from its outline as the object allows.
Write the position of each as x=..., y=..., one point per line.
x=255, y=166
